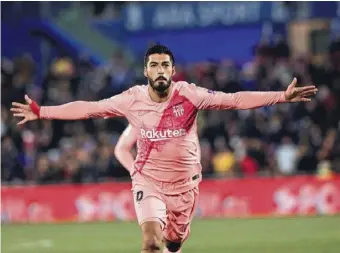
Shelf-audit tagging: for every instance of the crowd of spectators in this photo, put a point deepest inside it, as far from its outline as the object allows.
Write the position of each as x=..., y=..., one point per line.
x=284, y=139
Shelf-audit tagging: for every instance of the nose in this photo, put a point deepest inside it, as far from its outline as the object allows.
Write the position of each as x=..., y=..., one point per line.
x=160, y=70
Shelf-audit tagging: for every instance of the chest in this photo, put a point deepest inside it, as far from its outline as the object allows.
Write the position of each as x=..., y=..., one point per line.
x=178, y=114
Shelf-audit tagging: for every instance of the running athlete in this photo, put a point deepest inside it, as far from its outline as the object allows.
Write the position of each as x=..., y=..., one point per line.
x=167, y=171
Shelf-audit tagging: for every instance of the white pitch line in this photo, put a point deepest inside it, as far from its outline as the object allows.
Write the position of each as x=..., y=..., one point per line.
x=45, y=243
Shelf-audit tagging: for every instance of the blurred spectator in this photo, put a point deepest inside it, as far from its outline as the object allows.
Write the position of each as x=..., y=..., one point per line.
x=249, y=166
x=223, y=159
x=11, y=169
x=45, y=172
x=206, y=158
x=284, y=139
x=286, y=156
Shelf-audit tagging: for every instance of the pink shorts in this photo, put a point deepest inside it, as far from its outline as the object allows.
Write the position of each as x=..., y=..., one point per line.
x=173, y=212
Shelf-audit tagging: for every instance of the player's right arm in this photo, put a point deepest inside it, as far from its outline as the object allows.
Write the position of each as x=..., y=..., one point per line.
x=124, y=146
x=114, y=106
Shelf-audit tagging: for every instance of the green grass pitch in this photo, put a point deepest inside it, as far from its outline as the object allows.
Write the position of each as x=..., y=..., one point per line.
x=269, y=235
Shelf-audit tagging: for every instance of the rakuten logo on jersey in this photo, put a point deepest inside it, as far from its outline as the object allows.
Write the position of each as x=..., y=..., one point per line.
x=159, y=135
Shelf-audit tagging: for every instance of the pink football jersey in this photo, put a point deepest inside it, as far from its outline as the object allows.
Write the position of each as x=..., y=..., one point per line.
x=168, y=150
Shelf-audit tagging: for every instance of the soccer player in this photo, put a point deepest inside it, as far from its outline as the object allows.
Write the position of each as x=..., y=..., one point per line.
x=123, y=148
x=167, y=171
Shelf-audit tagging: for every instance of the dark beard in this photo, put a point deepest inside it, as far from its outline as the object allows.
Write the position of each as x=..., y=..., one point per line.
x=162, y=86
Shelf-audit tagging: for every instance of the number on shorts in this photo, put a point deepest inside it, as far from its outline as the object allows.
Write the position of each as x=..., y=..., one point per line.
x=139, y=195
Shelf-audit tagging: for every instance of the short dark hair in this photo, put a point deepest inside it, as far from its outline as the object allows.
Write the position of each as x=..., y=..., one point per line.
x=158, y=49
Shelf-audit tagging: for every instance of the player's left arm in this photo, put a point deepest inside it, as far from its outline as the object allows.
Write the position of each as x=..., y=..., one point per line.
x=124, y=146
x=206, y=99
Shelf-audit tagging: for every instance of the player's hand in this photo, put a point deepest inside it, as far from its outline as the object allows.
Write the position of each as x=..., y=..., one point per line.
x=299, y=94
x=28, y=112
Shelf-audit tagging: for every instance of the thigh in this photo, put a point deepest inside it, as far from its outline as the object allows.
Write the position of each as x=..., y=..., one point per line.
x=149, y=205
x=181, y=210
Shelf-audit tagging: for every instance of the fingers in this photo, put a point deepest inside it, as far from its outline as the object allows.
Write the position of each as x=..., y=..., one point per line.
x=17, y=110
x=305, y=96
x=18, y=115
x=307, y=88
x=28, y=100
x=22, y=106
x=307, y=93
x=21, y=110
x=22, y=122
x=293, y=83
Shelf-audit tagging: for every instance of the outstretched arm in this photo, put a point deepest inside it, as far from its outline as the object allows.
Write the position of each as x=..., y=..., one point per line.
x=248, y=100
x=114, y=106
x=123, y=148
x=83, y=110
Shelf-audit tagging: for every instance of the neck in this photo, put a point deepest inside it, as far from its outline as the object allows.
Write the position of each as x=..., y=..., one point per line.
x=159, y=97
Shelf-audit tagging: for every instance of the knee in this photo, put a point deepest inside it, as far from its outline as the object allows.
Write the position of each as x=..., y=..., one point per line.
x=152, y=239
x=173, y=246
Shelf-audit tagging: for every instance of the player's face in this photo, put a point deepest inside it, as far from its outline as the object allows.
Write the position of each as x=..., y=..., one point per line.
x=159, y=71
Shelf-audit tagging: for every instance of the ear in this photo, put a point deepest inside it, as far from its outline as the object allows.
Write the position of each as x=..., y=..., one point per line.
x=173, y=71
x=145, y=72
